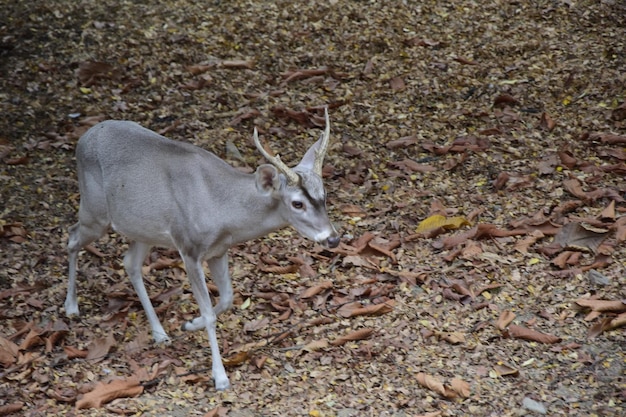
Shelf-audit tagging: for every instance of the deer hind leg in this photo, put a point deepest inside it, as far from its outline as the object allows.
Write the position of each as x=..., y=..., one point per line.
x=133, y=260
x=219, y=274
x=80, y=235
x=207, y=317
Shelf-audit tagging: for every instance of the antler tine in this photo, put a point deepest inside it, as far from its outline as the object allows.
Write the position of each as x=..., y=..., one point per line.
x=321, y=152
x=292, y=177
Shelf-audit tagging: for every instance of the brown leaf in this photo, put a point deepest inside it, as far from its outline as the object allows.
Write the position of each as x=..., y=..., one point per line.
x=20, y=160
x=548, y=164
x=360, y=334
x=106, y=392
x=312, y=291
x=481, y=230
x=73, y=352
x=454, y=338
x=609, y=138
x=620, y=230
x=546, y=122
x=505, y=319
x=575, y=188
x=503, y=369
x=99, y=348
x=301, y=74
x=567, y=159
x=352, y=210
x=197, y=69
x=280, y=269
x=217, y=412
x=254, y=325
x=524, y=244
x=409, y=166
x=520, y=332
x=619, y=321
x=505, y=99
x=236, y=359
x=465, y=61
x=431, y=383
x=385, y=246
x=11, y=408
x=8, y=352
x=32, y=339
x=316, y=345
x=397, y=84
x=89, y=72
x=579, y=237
x=602, y=305
x=356, y=309
x=460, y=387
x=608, y=214
x=237, y=64
x=402, y=142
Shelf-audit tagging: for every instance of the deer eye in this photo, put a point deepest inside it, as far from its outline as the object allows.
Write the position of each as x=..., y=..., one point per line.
x=298, y=205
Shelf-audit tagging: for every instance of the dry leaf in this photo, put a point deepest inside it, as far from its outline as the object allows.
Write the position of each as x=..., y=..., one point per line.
x=356, y=309
x=236, y=359
x=602, y=305
x=99, y=348
x=106, y=392
x=431, y=383
x=520, y=332
x=505, y=319
x=577, y=236
x=312, y=291
x=360, y=334
x=454, y=338
x=438, y=221
x=316, y=345
x=397, y=84
x=217, y=412
x=8, y=352
x=11, y=408
x=546, y=122
x=460, y=387
x=503, y=369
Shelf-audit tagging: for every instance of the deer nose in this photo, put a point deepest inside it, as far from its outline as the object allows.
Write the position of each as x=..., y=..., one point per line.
x=333, y=242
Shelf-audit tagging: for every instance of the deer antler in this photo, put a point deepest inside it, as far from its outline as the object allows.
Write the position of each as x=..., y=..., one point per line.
x=320, y=153
x=292, y=177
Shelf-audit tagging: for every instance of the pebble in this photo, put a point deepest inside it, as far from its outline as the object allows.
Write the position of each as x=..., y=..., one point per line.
x=533, y=405
x=597, y=278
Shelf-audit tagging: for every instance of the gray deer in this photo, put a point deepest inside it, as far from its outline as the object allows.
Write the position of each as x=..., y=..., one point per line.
x=160, y=192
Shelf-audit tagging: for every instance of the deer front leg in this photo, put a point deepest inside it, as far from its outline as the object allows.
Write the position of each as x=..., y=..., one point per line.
x=80, y=235
x=219, y=274
x=133, y=260
x=207, y=317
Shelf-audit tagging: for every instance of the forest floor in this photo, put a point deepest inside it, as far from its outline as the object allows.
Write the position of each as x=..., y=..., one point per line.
x=476, y=173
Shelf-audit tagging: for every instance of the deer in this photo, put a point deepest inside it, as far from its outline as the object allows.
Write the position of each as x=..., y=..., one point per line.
x=159, y=192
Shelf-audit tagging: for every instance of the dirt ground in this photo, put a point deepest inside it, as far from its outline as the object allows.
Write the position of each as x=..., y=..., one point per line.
x=476, y=173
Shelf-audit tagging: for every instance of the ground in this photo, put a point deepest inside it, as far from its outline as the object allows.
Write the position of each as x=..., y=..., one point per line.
x=476, y=173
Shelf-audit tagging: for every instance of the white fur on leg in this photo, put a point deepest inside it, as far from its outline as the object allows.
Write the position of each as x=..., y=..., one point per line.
x=208, y=317
x=195, y=324
x=133, y=260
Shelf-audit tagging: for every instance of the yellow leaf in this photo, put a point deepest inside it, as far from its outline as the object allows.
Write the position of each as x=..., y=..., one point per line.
x=438, y=221
x=85, y=90
x=245, y=304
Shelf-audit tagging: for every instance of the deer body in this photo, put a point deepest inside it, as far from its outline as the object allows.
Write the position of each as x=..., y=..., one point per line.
x=159, y=192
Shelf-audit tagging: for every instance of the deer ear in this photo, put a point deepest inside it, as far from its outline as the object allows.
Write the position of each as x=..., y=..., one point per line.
x=308, y=160
x=267, y=179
